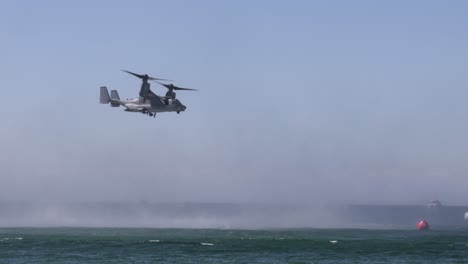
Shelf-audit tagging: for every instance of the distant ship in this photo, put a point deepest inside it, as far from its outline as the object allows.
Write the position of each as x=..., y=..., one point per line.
x=407, y=215
x=434, y=204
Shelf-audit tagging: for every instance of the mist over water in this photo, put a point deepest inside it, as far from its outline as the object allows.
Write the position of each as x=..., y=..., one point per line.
x=303, y=108
x=167, y=215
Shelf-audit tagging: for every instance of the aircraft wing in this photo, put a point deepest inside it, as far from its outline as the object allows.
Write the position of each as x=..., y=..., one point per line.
x=155, y=100
x=150, y=95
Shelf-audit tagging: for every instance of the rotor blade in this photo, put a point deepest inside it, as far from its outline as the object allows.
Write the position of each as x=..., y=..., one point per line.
x=134, y=74
x=165, y=85
x=141, y=76
x=157, y=79
x=185, y=89
x=173, y=87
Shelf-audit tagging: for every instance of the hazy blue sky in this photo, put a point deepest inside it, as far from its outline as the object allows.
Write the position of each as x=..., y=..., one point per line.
x=299, y=101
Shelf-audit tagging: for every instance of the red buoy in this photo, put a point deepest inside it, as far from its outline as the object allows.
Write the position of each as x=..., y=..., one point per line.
x=422, y=225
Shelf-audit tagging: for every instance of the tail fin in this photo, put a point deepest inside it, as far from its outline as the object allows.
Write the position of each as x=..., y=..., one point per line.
x=115, y=95
x=104, y=98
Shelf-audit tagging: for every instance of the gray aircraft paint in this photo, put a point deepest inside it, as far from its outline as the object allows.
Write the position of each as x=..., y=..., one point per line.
x=140, y=105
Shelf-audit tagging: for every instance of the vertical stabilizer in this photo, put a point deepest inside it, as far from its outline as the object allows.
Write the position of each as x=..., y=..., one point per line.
x=115, y=95
x=104, y=97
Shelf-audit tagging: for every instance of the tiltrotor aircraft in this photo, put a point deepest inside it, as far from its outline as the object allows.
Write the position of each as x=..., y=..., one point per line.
x=148, y=103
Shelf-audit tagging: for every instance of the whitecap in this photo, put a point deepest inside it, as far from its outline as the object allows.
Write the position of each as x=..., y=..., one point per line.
x=153, y=240
x=333, y=241
x=206, y=244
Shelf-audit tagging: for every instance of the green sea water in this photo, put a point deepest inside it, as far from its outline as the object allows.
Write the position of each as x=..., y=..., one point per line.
x=140, y=245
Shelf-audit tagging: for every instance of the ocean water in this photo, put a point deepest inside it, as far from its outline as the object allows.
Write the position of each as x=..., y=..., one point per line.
x=140, y=245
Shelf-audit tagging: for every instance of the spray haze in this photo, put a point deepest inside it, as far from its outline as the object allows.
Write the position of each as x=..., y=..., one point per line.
x=303, y=105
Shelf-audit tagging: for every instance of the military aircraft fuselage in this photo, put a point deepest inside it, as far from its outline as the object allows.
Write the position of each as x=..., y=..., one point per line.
x=148, y=103
x=134, y=105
